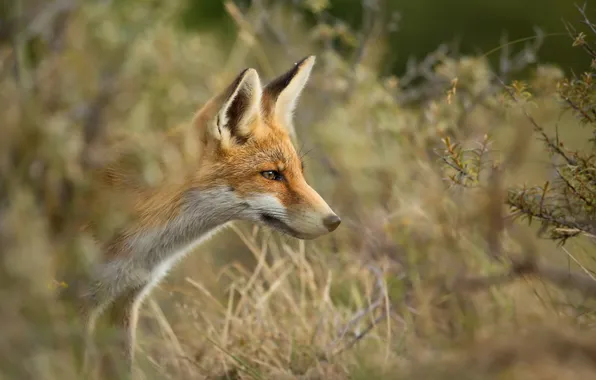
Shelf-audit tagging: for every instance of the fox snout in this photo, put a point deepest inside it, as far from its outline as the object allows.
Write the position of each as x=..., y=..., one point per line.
x=306, y=228
x=303, y=221
x=331, y=222
x=311, y=217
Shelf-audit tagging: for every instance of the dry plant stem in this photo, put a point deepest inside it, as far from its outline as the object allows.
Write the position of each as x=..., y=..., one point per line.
x=546, y=138
x=560, y=277
x=332, y=348
x=573, y=33
x=510, y=65
x=586, y=21
x=362, y=334
x=250, y=27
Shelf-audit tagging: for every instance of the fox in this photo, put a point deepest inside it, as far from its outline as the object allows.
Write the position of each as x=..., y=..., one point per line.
x=247, y=169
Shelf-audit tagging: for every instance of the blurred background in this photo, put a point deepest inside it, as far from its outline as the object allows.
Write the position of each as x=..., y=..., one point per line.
x=413, y=28
x=456, y=140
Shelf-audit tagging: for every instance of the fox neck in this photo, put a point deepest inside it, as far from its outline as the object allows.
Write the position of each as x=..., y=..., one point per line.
x=145, y=254
x=204, y=210
x=198, y=214
x=201, y=212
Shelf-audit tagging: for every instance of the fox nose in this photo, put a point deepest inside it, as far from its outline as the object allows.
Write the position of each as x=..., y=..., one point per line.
x=331, y=222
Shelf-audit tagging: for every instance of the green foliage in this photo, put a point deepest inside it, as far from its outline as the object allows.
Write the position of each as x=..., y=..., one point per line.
x=564, y=202
x=566, y=205
x=426, y=169
x=417, y=27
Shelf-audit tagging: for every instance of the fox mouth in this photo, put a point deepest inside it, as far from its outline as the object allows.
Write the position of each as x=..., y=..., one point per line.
x=280, y=225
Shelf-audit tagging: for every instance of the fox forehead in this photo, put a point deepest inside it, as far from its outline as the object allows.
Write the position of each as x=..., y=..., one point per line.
x=272, y=148
x=278, y=155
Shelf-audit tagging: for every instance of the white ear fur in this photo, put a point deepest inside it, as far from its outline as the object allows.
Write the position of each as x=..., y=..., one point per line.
x=287, y=100
x=239, y=109
x=286, y=97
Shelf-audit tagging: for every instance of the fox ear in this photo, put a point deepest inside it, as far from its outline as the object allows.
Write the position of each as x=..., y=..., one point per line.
x=281, y=95
x=240, y=106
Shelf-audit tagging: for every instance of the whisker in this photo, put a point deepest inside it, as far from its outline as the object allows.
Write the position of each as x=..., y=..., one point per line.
x=303, y=155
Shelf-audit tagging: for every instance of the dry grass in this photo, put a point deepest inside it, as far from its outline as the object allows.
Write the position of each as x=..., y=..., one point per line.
x=402, y=290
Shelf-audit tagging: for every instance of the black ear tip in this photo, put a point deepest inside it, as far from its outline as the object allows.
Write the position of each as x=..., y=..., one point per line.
x=247, y=71
x=242, y=73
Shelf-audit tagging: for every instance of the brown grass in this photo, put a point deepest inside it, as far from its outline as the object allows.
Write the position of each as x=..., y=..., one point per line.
x=388, y=296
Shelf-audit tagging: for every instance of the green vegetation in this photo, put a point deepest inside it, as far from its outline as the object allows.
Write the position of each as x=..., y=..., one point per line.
x=413, y=28
x=467, y=245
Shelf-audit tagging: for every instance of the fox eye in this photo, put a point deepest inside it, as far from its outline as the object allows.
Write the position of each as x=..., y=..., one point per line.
x=272, y=175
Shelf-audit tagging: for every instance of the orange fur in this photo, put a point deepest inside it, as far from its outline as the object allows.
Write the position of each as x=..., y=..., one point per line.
x=246, y=168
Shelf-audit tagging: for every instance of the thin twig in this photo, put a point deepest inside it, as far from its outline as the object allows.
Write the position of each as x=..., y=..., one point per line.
x=538, y=128
x=360, y=314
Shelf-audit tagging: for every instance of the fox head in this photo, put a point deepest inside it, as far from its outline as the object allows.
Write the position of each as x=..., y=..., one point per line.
x=247, y=153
